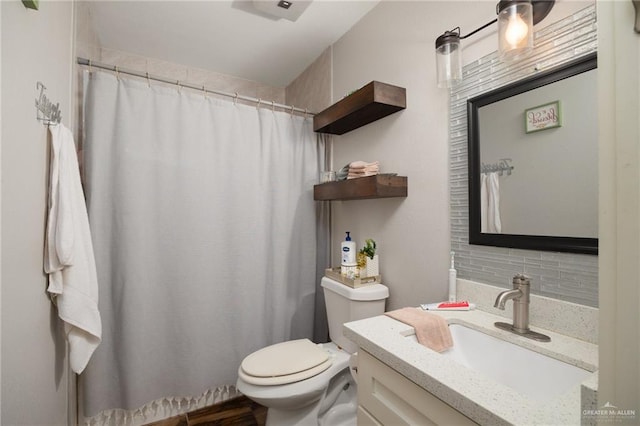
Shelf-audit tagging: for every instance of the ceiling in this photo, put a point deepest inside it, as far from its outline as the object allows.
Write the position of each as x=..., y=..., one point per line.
x=230, y=37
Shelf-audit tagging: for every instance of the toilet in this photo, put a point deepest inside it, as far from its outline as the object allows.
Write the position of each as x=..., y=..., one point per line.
x=303, y=383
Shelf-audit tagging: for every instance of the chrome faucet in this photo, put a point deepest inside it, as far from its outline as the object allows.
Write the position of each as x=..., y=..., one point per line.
x=520, y=297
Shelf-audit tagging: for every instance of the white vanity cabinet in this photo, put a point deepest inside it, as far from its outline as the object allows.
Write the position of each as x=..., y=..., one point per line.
x=385, y=397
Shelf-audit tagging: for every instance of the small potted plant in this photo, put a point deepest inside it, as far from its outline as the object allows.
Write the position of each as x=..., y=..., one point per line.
x=368, y=252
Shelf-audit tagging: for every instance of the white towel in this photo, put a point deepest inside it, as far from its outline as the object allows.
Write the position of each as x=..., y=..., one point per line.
x=490, y=203
x=483, y=203
x=69, y=258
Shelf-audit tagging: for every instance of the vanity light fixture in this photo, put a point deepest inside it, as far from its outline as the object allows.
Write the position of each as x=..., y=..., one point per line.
x=516, y=19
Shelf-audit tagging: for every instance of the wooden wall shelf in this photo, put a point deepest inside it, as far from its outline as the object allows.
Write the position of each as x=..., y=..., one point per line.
x=368, y=104
x=378, y=186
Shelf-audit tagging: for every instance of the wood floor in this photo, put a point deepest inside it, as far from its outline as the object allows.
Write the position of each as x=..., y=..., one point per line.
x=239, y=411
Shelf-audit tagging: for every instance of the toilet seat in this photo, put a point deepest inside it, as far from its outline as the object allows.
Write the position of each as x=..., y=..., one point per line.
x=284, y=363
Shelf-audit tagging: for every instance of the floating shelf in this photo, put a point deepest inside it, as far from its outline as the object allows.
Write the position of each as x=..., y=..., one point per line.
x=378, y=186
x=368, y=104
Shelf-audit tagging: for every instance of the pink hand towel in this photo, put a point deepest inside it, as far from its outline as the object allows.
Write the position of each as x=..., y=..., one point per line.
x=432, y=330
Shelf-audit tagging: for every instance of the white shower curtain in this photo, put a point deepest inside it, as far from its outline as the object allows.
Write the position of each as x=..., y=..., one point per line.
x=204, y=229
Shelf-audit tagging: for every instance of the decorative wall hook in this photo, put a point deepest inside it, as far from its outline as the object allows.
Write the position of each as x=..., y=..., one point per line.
x=46, y=111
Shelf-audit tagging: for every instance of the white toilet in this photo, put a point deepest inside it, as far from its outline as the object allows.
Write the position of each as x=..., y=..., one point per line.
x=303, y=383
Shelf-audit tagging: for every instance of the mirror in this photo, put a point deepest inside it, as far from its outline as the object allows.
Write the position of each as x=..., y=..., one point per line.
x=533, y=162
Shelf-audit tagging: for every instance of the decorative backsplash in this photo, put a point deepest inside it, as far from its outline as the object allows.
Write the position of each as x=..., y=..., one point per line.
x=565, y=276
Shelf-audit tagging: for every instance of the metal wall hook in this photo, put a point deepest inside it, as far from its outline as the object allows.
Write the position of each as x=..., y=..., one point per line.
x=503, y=165
x=46, y=111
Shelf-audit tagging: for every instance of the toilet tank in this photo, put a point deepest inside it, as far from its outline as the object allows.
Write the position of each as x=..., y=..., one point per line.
x=346, y=304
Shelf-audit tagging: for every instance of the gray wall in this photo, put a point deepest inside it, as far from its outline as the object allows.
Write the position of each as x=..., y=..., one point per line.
x=36, y=46
x=564, y=276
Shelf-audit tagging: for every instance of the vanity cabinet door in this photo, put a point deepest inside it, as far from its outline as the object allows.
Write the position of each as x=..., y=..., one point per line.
x=366, y=419
x=386, y=397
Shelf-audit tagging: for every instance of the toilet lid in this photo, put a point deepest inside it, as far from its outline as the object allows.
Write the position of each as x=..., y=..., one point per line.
x=285, y=362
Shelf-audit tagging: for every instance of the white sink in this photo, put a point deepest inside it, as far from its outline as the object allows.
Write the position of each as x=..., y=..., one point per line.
x=534, y=375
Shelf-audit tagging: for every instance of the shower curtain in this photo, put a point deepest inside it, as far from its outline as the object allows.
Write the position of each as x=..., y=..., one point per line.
x=204, y=230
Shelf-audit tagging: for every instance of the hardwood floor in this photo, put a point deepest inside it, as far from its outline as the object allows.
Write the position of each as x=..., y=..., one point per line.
x=239, y=411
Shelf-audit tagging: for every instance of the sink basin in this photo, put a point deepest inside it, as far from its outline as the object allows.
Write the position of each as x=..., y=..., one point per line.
x=534, y=375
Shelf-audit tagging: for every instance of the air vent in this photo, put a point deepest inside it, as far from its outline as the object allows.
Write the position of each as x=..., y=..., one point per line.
x=290, y=10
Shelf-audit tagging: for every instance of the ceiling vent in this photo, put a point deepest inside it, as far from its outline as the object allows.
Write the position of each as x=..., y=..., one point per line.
x=287, y=9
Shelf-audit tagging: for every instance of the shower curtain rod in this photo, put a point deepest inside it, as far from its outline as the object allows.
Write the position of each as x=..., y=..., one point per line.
x=235, y=96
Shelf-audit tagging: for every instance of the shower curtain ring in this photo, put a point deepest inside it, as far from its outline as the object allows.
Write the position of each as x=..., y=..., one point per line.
x=235, y=99
x=179, y=86
x=273, y=106
x=90, y=67
x=117, y=72
x=204, y=90
x=258, y=105
x=148, y=80
x=292, y=107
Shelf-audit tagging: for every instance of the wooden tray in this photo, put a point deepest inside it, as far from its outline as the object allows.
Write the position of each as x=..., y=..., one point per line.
x=334, y=274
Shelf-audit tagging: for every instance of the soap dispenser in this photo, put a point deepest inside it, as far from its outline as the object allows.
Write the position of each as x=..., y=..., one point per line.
x=348, y=265
x=348, y=250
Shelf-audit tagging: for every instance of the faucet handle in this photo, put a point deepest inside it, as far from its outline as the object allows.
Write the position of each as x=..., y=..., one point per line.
x=521, y=279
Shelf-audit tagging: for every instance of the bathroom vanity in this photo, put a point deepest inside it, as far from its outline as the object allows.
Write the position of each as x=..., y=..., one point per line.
x=403, y=382
x=386, y=397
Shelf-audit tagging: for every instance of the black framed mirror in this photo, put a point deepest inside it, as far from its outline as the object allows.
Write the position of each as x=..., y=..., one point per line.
x=533, y=162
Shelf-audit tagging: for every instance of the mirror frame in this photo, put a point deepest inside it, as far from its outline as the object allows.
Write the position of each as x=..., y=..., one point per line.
x=533, y=242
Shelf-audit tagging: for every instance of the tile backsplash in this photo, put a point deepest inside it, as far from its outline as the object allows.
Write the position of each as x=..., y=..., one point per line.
x=565, y=276
x=571, y=319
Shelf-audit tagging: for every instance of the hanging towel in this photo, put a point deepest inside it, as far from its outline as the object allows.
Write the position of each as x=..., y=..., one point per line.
x=490, y=203
x=483, y=202
x=68, y=258
x=432, y=330
x=494, y=224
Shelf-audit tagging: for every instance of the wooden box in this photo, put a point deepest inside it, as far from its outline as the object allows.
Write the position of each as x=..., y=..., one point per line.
x=334, y=274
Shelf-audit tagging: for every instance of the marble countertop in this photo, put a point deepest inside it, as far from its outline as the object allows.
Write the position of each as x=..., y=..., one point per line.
x=473, y=394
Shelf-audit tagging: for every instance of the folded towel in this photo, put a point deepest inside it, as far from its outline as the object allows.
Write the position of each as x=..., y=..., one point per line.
x=69, y=259
x=359, y=175
x=363, y=170
x=362, y=164
x=357, y=169
x=432, y=330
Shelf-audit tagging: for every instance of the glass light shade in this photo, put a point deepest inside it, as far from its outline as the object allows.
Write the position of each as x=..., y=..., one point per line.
x=448, y=59
x=515, y=29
